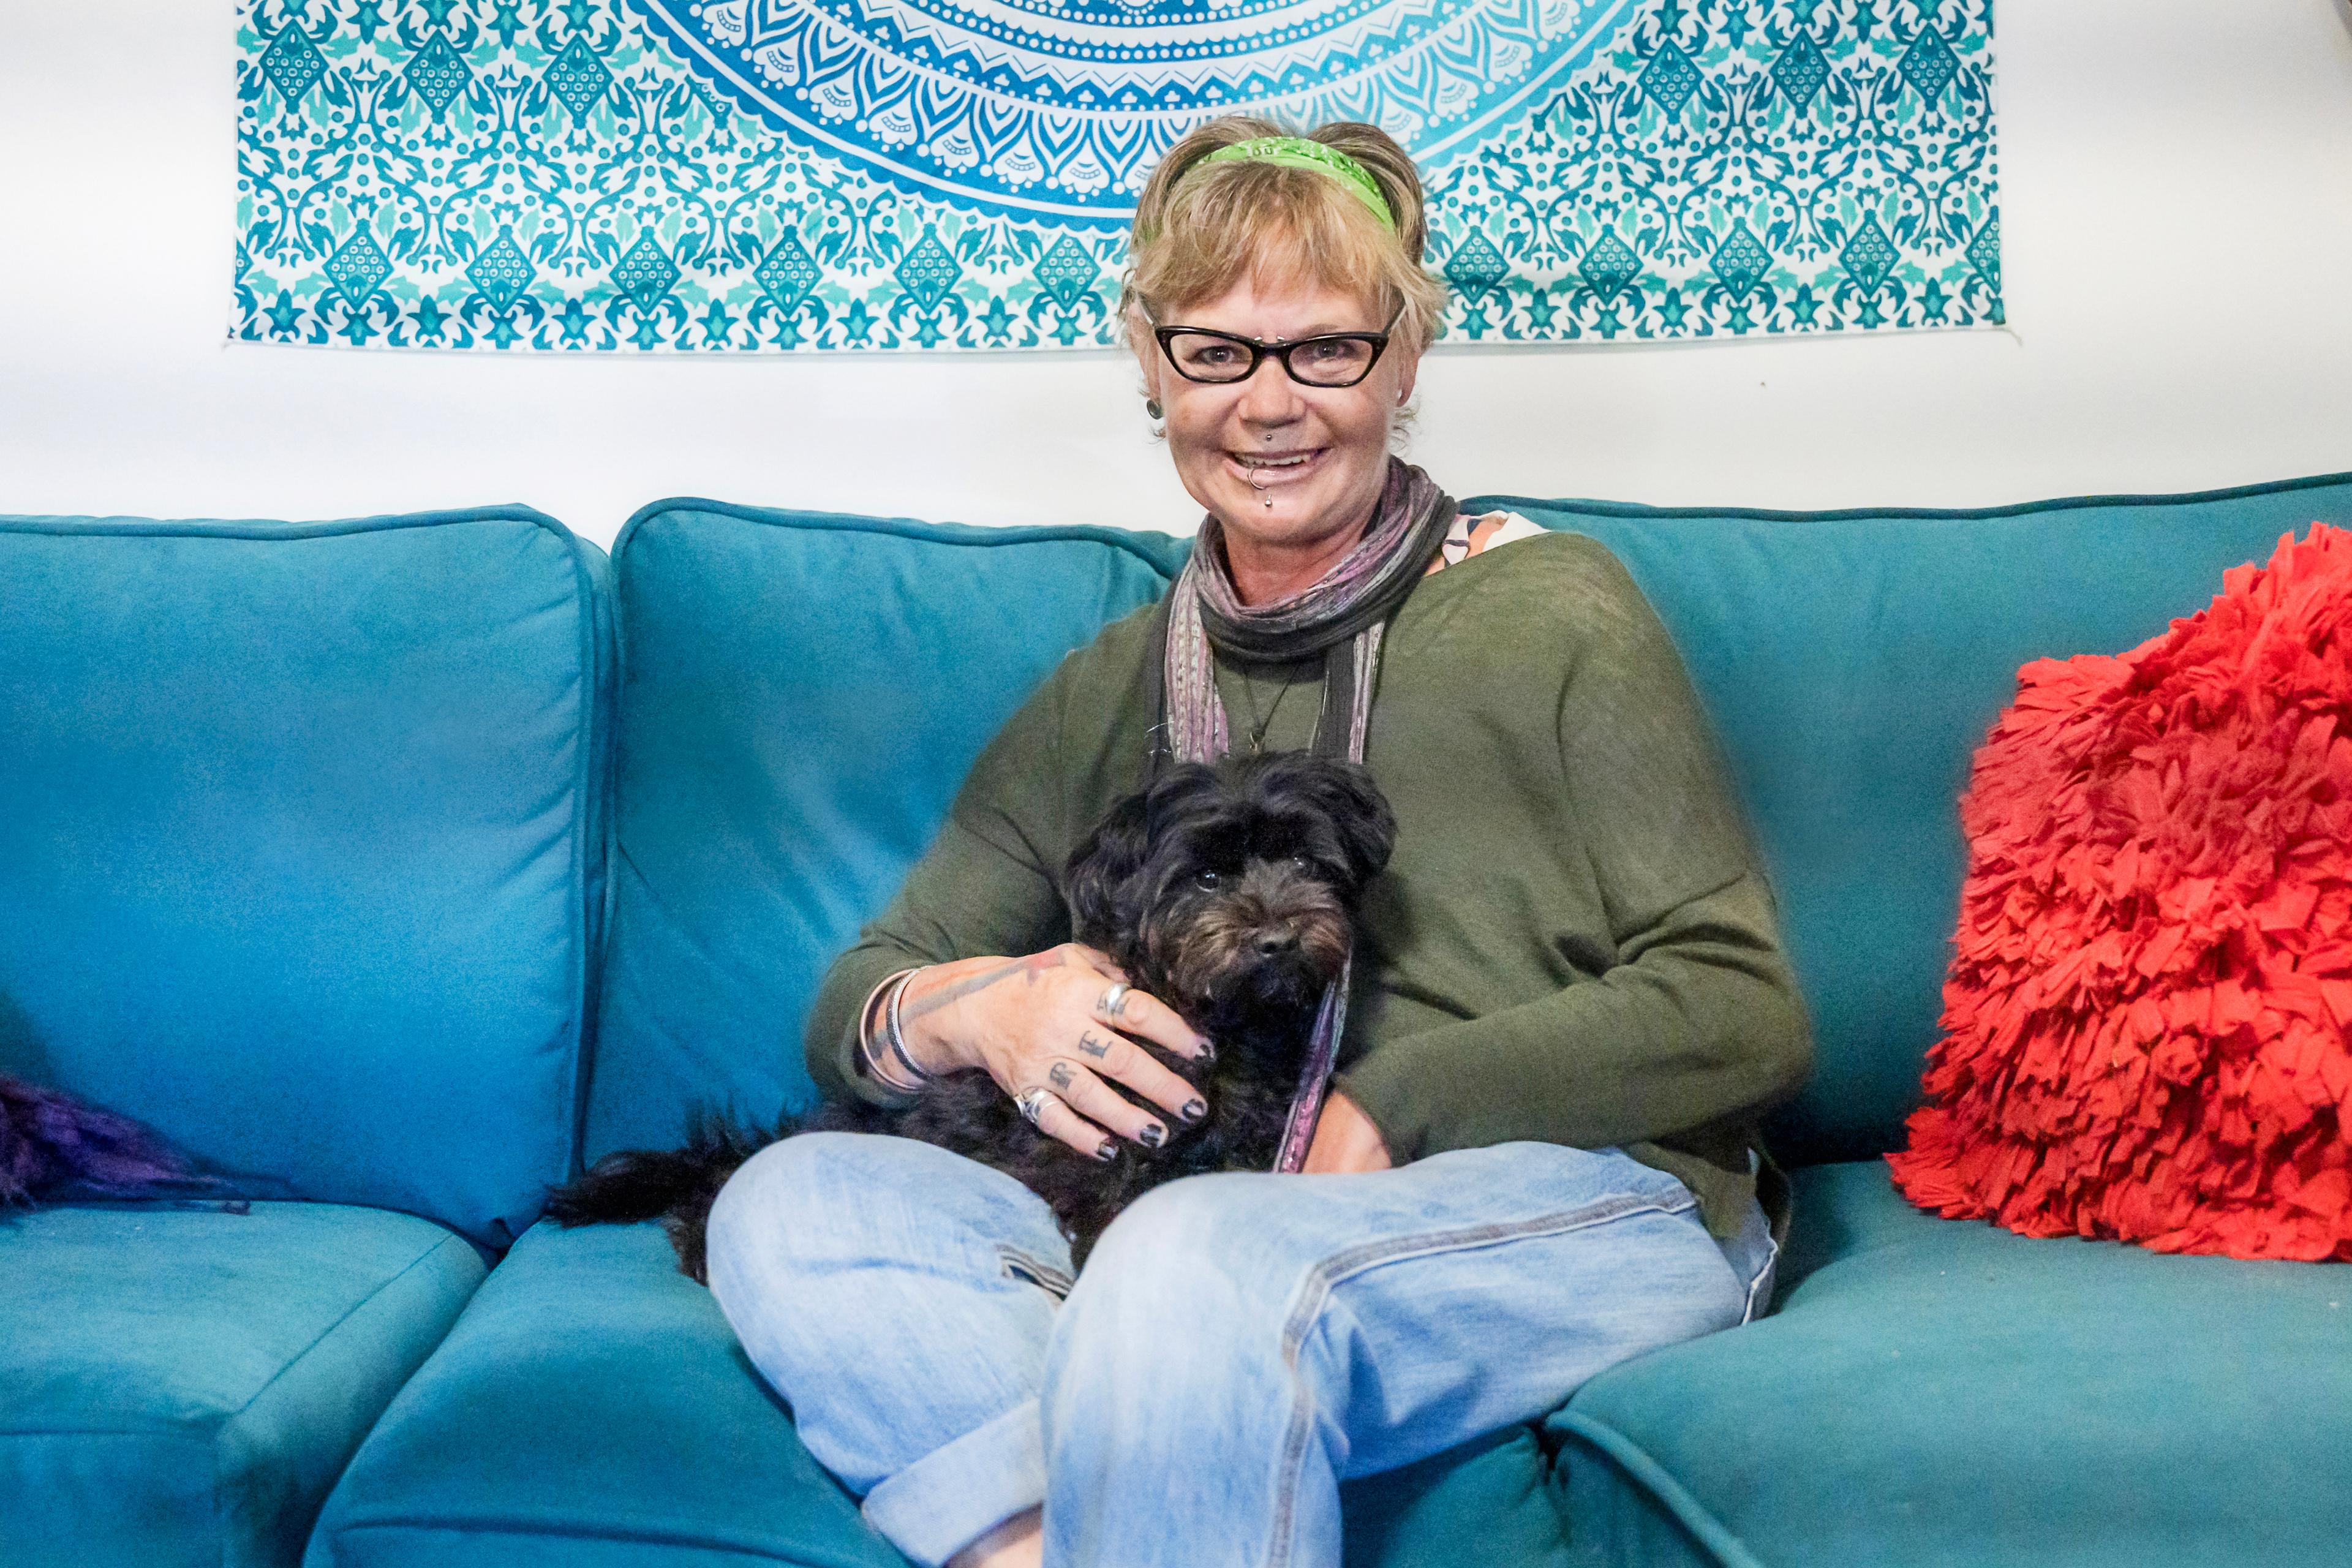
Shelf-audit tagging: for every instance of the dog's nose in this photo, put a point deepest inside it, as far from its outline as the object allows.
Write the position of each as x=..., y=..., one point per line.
x=1277, y=941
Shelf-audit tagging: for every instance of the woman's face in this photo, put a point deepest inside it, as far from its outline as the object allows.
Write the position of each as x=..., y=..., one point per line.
x=1280, y=463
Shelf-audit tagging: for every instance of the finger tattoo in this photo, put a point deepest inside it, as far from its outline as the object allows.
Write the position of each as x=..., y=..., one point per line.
x=1094, y=1044
x=1060, y=1076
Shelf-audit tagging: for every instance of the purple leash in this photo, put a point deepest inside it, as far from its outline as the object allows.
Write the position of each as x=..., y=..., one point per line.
x=1322, y=1049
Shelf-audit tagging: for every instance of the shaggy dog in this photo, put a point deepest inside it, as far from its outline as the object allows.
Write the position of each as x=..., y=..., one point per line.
x=1227, y=892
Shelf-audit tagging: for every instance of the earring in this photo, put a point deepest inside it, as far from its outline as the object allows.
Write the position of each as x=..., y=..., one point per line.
x=1153, y=410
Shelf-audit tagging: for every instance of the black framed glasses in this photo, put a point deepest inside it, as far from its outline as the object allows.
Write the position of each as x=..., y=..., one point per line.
x=1331, y=359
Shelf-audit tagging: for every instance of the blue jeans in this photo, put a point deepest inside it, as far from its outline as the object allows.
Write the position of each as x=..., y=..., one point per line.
x=1238, y=1345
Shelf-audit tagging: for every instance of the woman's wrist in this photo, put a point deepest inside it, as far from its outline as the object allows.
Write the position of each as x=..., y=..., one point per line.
x=881, y=1057
x=926, y=1014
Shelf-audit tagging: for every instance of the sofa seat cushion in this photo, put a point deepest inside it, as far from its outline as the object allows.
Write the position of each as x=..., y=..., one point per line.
x=182, y=1385
x=593, y=1408
x=1941, y=1392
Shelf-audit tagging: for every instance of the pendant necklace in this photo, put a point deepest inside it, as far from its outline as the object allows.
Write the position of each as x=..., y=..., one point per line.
x=1258, y=726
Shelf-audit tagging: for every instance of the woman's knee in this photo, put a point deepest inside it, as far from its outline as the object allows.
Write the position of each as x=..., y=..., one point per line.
x=772, y=1224
x=1188, y=1261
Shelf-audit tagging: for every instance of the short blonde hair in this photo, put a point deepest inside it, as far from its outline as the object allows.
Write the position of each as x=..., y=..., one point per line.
x=1199, y=232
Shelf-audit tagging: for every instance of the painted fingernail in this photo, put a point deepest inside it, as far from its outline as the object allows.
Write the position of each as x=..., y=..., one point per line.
x=1109, y=1151
x=1153, y=1136
x=1203, y=1049
x=1194, y=1110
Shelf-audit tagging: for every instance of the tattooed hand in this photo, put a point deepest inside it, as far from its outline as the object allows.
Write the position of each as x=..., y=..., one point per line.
x=1037, y=1022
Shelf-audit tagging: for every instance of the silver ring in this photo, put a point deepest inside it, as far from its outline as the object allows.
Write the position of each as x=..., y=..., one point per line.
x=1030, y=1103
x=1114, y=1000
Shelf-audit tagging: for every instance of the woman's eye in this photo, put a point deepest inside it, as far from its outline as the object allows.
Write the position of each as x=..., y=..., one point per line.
x=1205, y=879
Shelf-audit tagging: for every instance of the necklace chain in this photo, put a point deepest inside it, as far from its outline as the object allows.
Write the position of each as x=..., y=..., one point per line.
x=1258, y=726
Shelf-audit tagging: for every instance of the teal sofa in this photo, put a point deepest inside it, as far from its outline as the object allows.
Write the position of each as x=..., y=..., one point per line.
x=393, y=867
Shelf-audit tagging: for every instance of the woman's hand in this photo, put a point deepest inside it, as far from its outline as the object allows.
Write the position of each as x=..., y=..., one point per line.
x=1344, y=1141
x=1038, y=1023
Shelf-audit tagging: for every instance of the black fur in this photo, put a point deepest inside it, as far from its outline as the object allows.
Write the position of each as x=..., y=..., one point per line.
x=1228, y=892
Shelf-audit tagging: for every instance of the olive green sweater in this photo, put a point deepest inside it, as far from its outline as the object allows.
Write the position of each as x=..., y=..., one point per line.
x=1573, y=943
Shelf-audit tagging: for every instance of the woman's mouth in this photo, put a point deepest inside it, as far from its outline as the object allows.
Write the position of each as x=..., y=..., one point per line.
x=1264, y=470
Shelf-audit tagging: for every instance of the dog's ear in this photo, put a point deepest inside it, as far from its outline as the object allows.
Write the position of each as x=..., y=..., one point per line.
x=1105, y=862
x=1346, y=796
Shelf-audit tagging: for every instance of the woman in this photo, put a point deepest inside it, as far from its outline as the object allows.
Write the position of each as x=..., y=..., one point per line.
x=1570, y=1008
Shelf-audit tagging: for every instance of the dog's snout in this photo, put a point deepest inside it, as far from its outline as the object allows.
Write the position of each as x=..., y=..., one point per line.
x=1273, y=941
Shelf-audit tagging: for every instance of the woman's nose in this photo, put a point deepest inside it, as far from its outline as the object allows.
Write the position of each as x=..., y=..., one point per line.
x=1270, y=396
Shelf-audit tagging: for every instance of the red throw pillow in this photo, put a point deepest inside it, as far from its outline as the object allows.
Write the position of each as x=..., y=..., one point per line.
x=2146, y=1018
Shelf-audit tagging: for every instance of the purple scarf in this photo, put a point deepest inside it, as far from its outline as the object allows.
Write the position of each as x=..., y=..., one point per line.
x=1343, y=616
x=52, y=1144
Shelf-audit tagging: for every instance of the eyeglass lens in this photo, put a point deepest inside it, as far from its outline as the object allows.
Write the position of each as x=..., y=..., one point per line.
x=1318, y=361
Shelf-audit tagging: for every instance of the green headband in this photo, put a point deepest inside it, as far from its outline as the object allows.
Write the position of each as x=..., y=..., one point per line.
x=1297, y=152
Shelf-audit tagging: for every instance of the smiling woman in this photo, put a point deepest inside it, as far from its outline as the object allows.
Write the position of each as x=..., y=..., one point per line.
x=1235, y=252
x=1523, y=1148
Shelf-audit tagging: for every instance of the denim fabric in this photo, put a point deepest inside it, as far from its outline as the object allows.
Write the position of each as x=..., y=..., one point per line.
x=1238, y=1345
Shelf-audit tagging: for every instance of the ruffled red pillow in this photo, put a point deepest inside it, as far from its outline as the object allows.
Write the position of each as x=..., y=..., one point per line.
x=2146, y=1019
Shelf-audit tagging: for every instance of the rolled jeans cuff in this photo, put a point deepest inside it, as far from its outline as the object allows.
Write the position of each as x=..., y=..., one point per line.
x=960, y=1491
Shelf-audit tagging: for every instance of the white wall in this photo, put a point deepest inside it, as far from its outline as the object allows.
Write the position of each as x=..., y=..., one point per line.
x=2177, y=207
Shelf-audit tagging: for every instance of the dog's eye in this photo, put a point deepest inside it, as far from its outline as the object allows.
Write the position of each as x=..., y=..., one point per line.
x=1204, y=879
x=1302, y=862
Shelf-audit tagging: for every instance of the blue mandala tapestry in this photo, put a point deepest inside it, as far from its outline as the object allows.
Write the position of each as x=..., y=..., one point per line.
x=747, y=175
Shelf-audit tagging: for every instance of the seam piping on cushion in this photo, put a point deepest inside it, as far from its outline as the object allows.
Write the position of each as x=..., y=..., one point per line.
x=1638, y=1467
x=420, y=1260
x=1635, y=509
x=959, y=533
x=447, y=1239
x=706, y=1540
x=592, y=810
x=211, y=528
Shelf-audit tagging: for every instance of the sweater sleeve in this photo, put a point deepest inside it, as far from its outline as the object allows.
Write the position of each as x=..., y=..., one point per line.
x=989, y=883
x=1699, y=1022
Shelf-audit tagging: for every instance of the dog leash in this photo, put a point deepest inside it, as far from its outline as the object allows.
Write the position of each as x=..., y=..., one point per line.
x=1315, y=1081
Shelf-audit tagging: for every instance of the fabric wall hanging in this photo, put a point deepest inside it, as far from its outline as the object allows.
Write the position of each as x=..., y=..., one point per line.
x=767, y=176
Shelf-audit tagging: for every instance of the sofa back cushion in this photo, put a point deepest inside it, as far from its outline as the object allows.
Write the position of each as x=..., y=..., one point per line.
x=1852, y=662
x=300, y=844
x=801, y=694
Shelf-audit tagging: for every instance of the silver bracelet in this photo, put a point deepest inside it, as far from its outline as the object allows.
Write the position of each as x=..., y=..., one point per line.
x=869, y=1049
x=896, y=1036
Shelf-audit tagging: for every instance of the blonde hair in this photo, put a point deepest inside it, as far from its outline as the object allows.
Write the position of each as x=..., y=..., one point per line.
x=1201, y=231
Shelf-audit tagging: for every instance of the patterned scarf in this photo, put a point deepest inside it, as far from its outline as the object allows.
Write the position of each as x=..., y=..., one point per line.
x=1343, y=616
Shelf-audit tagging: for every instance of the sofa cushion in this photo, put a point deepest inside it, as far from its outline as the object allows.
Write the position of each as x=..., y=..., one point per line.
x=801, y=695
x=1942, y=1392
x=181, y=1385
x=1852, y=662
x=593, y=1408
x=299, y=830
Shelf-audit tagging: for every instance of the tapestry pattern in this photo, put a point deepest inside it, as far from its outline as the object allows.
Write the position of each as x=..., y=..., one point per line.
x=783, y=175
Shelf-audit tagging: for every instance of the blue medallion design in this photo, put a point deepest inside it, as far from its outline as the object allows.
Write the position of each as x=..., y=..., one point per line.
x=790, y=176
x=1061, y=108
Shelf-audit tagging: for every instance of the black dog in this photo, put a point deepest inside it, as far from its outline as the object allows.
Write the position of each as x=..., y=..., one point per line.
x=1228, y=893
